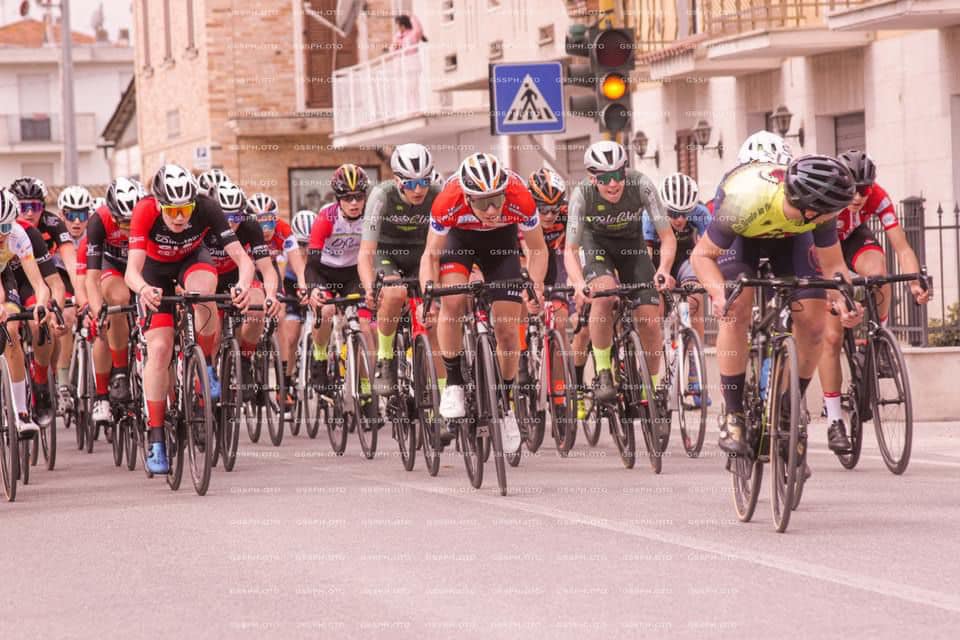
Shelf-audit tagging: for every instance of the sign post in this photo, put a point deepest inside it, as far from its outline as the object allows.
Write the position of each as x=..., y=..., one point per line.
x=526, y=98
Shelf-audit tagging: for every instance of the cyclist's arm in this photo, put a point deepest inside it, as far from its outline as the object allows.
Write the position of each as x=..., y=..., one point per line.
x=538, y=253
x=430, y=260
x=32, y=270
x=68, y=253
x=905, y=254
x=571, y=250
x=703, y=259
x=372, y=221
x=269, y=274
x=57, y=291
x=368, y=250
x=244, y=264
x=298, y=264
x=668, y=249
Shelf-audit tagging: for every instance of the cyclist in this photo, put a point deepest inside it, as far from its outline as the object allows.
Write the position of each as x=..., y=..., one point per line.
x=788, y=215
x=31, y=192
x=209, y=181
x=18, y=264
x=864, y=255
x=395, y=224
x=764, y=146
x=166, y=249
x=474, y=221
x=332, y=256
x=294, y=286
x=250, y=235
x=688, y=221
x=605, y=219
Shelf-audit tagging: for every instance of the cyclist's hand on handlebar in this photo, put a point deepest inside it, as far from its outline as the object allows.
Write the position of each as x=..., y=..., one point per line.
x=850, y=319
x=664, y=281
x=579, y=297
x=921, y=295
x=240, y=297
x=272, y=307
x=368, y=298
x=150, y=296
x=315, y=300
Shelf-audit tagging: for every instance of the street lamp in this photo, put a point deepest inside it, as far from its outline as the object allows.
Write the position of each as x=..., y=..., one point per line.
x=781, y=122
x=640, y=142
x=701, y=135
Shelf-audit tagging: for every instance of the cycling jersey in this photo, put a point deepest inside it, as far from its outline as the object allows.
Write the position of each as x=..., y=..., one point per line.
x=54, y=233
x=878, y=204
x=250, y=236
x=81, y=251
x=555, y=235
x=334, y=240
x=389, y=219
x=749, y=204
x=590, y=214
x=106, y=239
x=16, y=247
x=696, y=226
x=451, y=210
x=40, y=254
x=150, y=233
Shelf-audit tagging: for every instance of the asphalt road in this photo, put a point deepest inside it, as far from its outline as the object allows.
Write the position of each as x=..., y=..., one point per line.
x=297, y=543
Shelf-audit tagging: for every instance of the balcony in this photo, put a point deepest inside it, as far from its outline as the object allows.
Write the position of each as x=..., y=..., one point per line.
x=382, y=100
x=896, y=15
x=43, y=132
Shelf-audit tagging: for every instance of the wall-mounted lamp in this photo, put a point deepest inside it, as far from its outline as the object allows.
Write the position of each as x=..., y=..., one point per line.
x=701, y=135
x=781, y=122
x=640, y=142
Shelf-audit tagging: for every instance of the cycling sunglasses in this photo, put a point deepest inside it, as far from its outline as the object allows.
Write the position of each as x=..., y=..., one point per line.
x=676, y=214
x=76, y=215
x=356, y=196
x=6, y=228
x=410, y=185
x=607, y=177
x=864, y=190
x=268, y=222
x=482, y=204
x=236, y=218
x=26, y=206
x=179, y=210
x=550, y=209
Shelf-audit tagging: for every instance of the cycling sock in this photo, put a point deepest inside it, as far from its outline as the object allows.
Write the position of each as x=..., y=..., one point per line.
x=655, y=379
x=602, y=358
x=579, y=372
x=63, y=375
x=119, y=357
x=320, y=353
x=155, y=434
x=832, y=402
x=732, y=387
x=206, y=342
x=20, y=396
x=385, y=345
x=454, y=374
x=247, y=349
x=103, y=383
x=441, y=383
x=804, y=383
x=40, y=373
x=156, y=410
x=508, y=387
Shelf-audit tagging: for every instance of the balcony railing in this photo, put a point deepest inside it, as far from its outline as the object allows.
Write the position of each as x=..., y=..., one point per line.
x=23, y=129
x=392, y=87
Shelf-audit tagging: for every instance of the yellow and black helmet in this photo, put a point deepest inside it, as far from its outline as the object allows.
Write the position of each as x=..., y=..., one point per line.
x=349, y=178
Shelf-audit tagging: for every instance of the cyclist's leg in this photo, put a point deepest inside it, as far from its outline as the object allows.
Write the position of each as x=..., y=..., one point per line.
x=391, y=304
x=598, y=272
x=732, y=348
x=456, y=264
x=197, y=273
x=115, y=292
x=686, y=277
x=637, y=268
x=865, y=256
x=14, y=354
x=290, y=328
x=65, y=350
x=809, y=314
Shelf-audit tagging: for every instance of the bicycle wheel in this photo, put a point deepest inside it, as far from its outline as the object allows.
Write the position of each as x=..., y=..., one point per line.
x=692, y=386
x=176, y=443
x=851, y=400
x=488, y=405
x=530, y=419
x=561, y=385
x=231, y=404
x=303, y=414
x=272, y=391
x=130, y=443
x=76, y=381
x=783, y=420
x=891, y=401
x=746, y=473
x=26, y=455
x=117, y=443
x=9, y=442
x=364, y=401
x=48, y=434
x=427, y=403
x=643, y=404
x=591, y=421
x=198, y=419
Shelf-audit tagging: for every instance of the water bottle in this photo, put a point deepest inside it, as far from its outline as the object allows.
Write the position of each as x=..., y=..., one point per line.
x=685, y=313
x=764, y=374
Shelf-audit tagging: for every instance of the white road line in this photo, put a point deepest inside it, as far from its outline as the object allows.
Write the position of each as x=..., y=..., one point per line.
x=907, y=593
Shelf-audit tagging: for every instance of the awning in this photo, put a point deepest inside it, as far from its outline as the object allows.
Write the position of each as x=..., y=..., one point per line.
x=896, y=15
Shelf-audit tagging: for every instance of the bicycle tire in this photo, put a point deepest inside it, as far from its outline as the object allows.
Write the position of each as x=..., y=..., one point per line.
x=400, y=407
x=562, y=394
x=851, y=401
x=747, y=474
x=77, y=383
x=272, y=391
x=880, y=400
x=130, y=442
x=116, y=444
x=638, y=377
x=531, y=421
x=48, y=434
x=231, y=404
x=427, y=403
x=26, y=455
x=335, y=414
x=592, y=424
x=784, y=454
x=9, y=441
x=176, y=445
x=692, y=361
x=364, y=401
x=488, y=405
x=198, y=419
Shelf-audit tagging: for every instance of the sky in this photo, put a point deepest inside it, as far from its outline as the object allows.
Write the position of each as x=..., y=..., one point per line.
x=117, y=14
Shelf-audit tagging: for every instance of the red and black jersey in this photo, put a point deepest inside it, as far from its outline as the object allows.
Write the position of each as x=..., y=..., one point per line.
x=82, y=251
x=148, y=231
x=40, y=253
x=249, y=234
x=451, y=210
x=106, y=238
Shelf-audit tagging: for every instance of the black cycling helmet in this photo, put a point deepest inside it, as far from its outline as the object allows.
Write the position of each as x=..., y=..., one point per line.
x=819, y=183
x=861, y=166
x=28, y=188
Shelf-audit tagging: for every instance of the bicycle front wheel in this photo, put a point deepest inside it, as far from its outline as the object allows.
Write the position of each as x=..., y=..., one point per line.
x=427, y=400
x=783, y=420
x=891, y=402
x=692, y=385
x=231, y=404
x=9, y=443
x=273, y=392
x=590, y=411
x=562, y=396
x=643, y=403
x=198, y=418
x=851, y=400
x=364, y=400
x=488, y=405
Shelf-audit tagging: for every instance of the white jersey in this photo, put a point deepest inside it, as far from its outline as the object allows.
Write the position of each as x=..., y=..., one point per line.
x=17, y=247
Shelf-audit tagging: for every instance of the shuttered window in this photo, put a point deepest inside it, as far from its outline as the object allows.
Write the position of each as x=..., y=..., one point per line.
x=850, y=132
x=686, y=153
x=325, y=51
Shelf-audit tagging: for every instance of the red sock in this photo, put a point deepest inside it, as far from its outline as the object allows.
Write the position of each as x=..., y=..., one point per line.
x=247, y=348
x=156, y=410
x=39, y=373
x=119, y=357
x=206, y=340
x=103, y=381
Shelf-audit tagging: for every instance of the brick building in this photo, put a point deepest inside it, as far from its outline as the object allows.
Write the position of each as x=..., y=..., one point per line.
x=245, y=85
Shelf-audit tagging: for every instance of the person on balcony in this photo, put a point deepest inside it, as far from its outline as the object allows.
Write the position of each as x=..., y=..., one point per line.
x=409, y=32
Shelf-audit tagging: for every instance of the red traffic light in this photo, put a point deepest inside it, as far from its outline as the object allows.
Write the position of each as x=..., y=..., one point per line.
x=614, y=47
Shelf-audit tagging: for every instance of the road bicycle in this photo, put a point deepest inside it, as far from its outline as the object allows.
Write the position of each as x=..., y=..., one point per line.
x=128, y=423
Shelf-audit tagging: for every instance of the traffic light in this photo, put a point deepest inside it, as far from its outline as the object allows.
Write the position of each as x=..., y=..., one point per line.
x=611, y=54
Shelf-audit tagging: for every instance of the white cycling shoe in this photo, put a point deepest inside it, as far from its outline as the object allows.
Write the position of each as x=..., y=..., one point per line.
x=510, y=433
x=452, y=403
x=101, y=411
x=26, y=426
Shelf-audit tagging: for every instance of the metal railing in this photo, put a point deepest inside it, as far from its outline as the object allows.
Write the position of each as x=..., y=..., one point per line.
x=391, y=87
x=724, y=17
x=40, y=128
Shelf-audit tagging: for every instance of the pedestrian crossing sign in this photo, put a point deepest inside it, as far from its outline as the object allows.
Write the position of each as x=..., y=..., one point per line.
x=526, y=98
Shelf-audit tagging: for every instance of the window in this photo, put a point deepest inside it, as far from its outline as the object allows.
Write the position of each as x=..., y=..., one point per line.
x=496, y=50
x=167, y=36
x=324, y=52
x=446, y=11
x=570, y=153
x=493, y=4
x=191, y=36
x=450, y=62
x=146, y=35
x=686, y=153
x=850, y=132
x=310, y=188
x=34, y=105
x=173, y=123
x=35, y=128
x=546, y=35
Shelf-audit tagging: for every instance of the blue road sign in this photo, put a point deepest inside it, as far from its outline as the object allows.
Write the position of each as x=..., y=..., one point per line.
x=526, y=97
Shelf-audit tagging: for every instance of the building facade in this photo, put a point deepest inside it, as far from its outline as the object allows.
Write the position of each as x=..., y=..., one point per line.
x=31, y=125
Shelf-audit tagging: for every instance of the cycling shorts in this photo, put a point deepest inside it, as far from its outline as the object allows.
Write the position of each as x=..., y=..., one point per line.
x=857, y=243
x=496, y=253
x=167, y=275
x=625, y=260
x=398, y=259
x=793, y=256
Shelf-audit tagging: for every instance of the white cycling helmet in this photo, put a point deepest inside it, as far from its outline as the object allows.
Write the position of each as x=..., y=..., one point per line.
x=9, y=206
x=99, y=202
x=604, y=156
x=302, y=223
x=122, y=196
x=261, y=203
x=411, y=161
x=482, y=176
x=173, y=185
x=230, y=197
x=74, y=197
x=208, y=181
x=679, y=192
x=764, y=146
